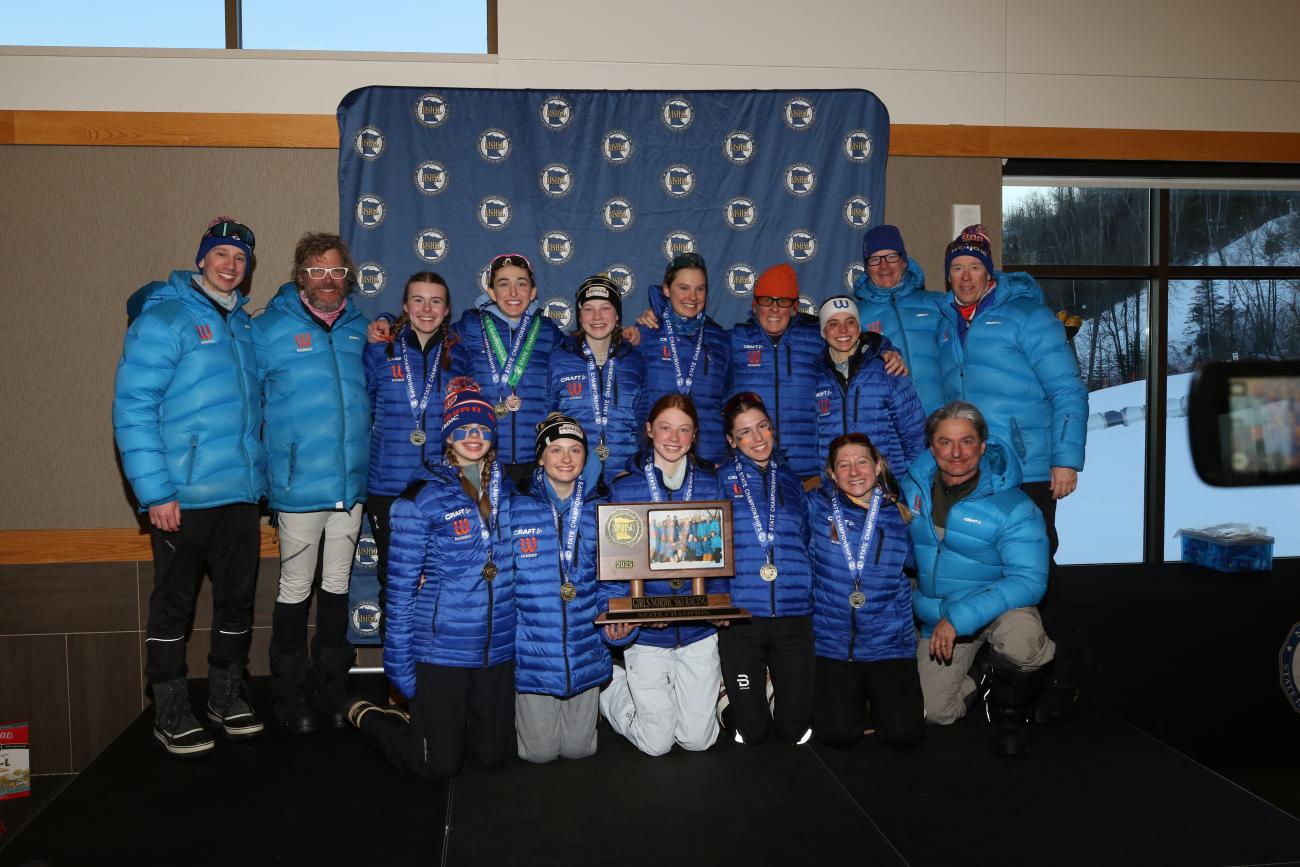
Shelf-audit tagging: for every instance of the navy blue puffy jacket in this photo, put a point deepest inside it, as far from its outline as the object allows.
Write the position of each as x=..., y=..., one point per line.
x=993, y=556
x=394, y=459
x=790, y=595
x=882, y=628
x=883, y=407
x=186, y=408
x=1017, y=367
x=457, y=618
x=910, y=317
x=558, y=649
x=315, y=404
x=517, y=432
x=783, y=374
x=632, y=488
x=709, y=388
x=570, y=393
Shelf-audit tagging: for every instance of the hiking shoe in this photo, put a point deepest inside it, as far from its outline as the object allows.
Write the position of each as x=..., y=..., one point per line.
x=175, y=727
x=228, y=703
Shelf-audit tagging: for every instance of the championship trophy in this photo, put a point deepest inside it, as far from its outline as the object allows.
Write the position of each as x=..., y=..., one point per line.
x=673, y=542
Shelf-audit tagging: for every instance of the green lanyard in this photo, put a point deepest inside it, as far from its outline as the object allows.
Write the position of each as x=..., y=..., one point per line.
x=512, y=370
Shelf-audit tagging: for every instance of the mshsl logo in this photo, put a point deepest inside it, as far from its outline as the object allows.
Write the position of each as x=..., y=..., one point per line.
x=622, y=276
x=494, y=212
x=852, y=273
x=371, y=279
x=617, y=146
x=370, y=211
x=494, y=145
x=1287, y=659
x=677, y=242
x=431, y=177
x=740, y=213
x=556, y=180
x=857, y=211
x=559, y=311
x=367, y=552
x=557, y=247
x=801, y=245
x=740, y=279
x=556, y=113
x=857, y=146
x=617, y=214
x=431, y=245
x=431, y=110
x=739, y=146
x=799, y=113
x=677, y=114
x=679, y=180
x=365, y=618
x=369, y=142
x=800, y=179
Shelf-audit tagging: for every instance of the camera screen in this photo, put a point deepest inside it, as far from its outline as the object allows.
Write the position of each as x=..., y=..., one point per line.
x=1263, y=424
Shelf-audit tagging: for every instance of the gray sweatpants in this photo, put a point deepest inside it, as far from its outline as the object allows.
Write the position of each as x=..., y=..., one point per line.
x=548, y=728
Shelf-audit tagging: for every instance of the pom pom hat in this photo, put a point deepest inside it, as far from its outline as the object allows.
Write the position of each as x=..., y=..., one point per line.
x=465, y=405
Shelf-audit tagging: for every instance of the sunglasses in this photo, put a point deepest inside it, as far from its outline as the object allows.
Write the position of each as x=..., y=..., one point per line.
x=461, y=433
x=741, y=397
x=768, y=301
x=231, y=229
x=519, y=260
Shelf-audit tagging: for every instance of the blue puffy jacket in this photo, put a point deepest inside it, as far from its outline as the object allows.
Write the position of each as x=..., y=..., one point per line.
x=570, y=393
x=790, y=595
x=314, y=400
x=457, y=618
x=558, y=649
x=631, y=487
x=883, y=407
x=910, y=317
x=1015, y=364
x=882, y=628
x=993, y=556
x=186, y=411
x=517, y=432
x=709, y=388
x=394, y=459
x=782, y=373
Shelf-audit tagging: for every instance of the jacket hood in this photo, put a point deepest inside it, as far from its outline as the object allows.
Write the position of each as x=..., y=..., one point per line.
x=913, y=281
x=1017, y=284
x=180, y=285
x=485, y=304
x=999, y=469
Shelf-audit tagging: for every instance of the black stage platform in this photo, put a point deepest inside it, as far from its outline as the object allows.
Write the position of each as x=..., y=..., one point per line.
x=1095, y=792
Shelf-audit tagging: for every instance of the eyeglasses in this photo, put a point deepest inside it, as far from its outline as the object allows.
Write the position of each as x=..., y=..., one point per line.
x=768, y=301
x=519, y=260
x=231, y=229
x=322, y=273
x=891, y=258
x=461, y=434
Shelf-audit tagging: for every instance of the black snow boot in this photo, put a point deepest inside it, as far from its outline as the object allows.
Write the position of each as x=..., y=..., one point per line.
x=329, y=683
x=289, y=692
x=175, y=726
x=1009, y=708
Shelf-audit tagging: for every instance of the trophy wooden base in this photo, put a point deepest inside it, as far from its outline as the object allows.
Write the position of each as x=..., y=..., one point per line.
x=672, y=609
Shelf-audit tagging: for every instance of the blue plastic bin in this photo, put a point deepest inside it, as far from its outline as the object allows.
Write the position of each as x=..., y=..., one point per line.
x=1236, y=553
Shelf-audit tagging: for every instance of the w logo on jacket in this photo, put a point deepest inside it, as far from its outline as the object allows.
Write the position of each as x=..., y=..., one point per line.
x=399, y=374
x=303, y=339
x=575, y=388
x=528, y=545
x=461, y=526
x=205, y=333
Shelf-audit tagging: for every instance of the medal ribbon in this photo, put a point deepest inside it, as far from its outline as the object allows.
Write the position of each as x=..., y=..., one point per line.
x=494, y=501
x=683, y=385
x=419, y=406
x=765, y=539
x=512, y=366
x=598, y=395
x=655, y=493
x=856, y=566
x=570, y=540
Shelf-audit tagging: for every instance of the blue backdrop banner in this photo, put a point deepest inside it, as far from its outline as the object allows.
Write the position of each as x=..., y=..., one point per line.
x=587, y=181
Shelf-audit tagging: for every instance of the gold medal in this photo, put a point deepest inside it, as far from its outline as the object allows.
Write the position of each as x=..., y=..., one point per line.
x=489, y=570
x=513, y=403
x=767, y=572
x=568, y=592
x=676, y=583
x=857, y=599
x=418, y=437
x=501, y=410
x=602, y=451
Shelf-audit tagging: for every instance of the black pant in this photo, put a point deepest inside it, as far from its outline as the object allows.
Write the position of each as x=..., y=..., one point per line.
x=455, y=712
x=377, y=510
x=1041, y=494
x=225, y=540
x=894, y=690
x=751, y=649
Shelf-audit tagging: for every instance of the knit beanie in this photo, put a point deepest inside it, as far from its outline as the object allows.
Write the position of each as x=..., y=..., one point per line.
x=832, y=306
x=465, y=405
x=558, y=426
x=598, y=287
x=883, y=237
x=225, y=230
x=779, y=281
x=973, y=241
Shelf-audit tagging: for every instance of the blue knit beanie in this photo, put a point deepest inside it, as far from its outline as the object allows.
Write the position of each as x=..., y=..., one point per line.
x=973, y=241
x=226, y=230
x=465, y=405
x=883, y=237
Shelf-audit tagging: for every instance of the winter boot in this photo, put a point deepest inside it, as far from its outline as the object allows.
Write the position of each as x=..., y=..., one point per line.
x=228, y=702
x=358, y=710
x=288, y=691
x=1009, y=708
x=175, y=726
x=329, y=683
x=1060, y=694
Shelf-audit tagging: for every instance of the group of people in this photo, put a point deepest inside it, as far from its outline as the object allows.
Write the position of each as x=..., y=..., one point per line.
x=892, y=463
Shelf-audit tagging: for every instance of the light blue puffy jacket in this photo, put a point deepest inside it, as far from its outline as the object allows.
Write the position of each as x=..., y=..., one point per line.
x=910, y=317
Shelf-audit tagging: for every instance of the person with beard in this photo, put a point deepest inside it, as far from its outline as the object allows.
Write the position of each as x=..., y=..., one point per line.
x=309, y=343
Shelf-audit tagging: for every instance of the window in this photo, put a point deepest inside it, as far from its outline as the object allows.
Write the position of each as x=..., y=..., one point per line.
x=127, y=24
x=1221, y=268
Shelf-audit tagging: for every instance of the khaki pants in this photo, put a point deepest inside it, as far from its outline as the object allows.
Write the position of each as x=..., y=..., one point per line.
x=1017, y=637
